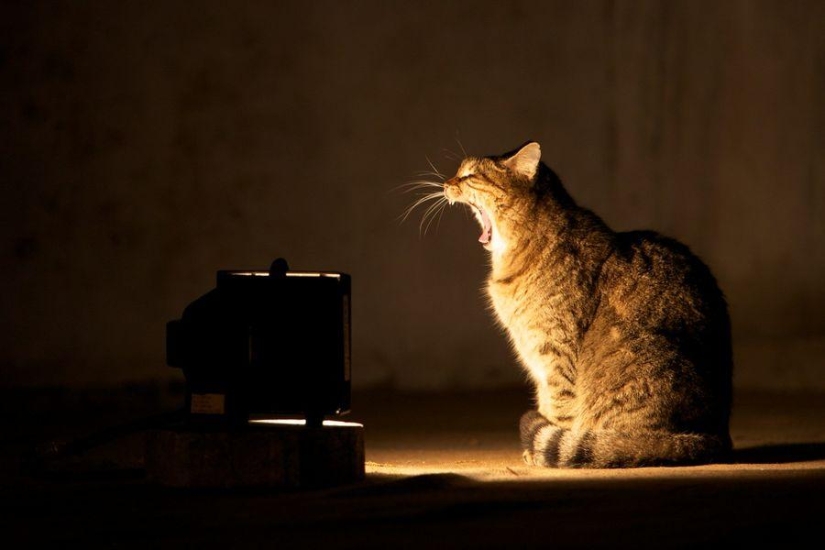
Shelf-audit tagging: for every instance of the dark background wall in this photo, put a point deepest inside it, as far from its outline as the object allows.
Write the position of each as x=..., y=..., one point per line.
x=144, y=145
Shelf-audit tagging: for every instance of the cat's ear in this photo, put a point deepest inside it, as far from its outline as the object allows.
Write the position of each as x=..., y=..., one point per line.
x=524, y=160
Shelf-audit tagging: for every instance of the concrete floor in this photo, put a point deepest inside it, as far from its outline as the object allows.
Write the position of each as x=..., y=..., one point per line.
x=476, y=436
x=443, y=470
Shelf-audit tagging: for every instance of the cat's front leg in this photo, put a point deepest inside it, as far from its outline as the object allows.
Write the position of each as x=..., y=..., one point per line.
x=530, y=424
x=556, y=407
x=545, y=404
x=555, y=392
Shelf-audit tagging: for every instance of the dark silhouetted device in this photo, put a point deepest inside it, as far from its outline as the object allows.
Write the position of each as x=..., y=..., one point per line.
x=271, y=342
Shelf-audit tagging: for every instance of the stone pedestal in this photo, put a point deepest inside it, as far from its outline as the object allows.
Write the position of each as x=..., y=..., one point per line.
x=261, y=455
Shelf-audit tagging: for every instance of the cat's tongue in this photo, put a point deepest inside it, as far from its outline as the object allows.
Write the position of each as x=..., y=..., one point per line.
x=487, y=231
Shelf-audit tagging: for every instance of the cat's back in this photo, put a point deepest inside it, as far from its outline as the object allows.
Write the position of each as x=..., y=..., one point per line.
x=656, y=280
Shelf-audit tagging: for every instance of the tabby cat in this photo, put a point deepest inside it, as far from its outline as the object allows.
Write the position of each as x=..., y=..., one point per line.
x=626, y=336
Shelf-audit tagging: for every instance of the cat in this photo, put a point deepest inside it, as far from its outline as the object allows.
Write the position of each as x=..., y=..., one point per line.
x=625, y=335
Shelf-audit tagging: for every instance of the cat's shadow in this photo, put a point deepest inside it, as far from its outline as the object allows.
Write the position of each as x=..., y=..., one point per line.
x=783, y=453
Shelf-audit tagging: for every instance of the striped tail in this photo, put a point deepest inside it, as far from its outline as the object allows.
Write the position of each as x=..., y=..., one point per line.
x=545, y=444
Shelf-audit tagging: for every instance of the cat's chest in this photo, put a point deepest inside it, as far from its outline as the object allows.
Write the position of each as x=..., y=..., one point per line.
x=532, y=317
x=508, y=306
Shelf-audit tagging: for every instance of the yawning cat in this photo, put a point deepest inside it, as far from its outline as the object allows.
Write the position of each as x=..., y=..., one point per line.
x=626, y=336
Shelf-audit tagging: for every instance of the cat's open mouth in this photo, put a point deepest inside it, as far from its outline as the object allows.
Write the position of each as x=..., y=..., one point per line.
x=486, y=225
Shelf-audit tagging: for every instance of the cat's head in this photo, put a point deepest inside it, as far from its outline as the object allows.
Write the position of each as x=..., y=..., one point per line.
x=499, y=190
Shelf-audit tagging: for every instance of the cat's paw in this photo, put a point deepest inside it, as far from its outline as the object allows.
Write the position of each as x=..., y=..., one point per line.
x=527, y=455
x=531, y=422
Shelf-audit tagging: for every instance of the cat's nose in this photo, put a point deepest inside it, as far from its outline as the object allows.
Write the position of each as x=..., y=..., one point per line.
x=451, y=189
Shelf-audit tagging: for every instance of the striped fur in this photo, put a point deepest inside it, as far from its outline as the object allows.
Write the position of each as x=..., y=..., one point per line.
x=625, y=336
x=545, y=444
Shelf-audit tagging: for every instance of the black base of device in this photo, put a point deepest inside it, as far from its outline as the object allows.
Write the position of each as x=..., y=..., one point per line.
x=261, y=456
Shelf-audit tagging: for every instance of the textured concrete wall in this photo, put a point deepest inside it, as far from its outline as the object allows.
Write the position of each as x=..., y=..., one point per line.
x=144, y=145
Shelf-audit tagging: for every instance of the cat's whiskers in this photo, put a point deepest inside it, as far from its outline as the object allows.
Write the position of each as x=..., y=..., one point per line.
x=426, y=197
x=452, y=155
x=436, y=172
x=417, y=185
x=441, y=213
x=430, y=173
x=435, y=209
x=431, y=191
x=460, y=145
